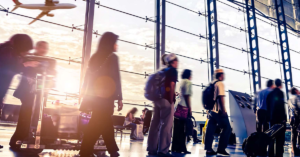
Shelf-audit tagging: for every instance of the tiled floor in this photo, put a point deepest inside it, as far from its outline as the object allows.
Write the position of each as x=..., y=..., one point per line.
x=127, y=147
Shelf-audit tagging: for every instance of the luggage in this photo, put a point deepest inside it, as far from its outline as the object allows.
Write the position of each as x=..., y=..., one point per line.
x=190, y=124
x=139, y=132
x=155, y=86
x=256, y=144
x=208, y=101
x=232, y=139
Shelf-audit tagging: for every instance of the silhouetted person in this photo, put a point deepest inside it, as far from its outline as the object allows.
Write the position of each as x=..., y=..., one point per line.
x=102, y=86
x=160, y=132
x=277, y=113
x=218, y=116
x=26, y=93
x=262, y=123
x=294, y=106
x=11, y=60
x=179, y=132
x=129, y=122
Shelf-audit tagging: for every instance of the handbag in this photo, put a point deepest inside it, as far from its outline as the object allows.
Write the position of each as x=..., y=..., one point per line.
x=181, y=112
x=90, y=99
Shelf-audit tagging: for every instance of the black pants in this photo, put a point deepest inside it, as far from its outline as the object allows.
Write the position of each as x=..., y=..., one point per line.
x=23, y=126
x=295, y=136
x=179, y=136
x=100, y=124
x=261, y=121
x=279, y=140
x=195, y=136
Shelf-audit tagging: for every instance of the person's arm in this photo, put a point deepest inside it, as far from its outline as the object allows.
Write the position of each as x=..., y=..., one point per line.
x=117, y=79
x=187, y=99
x=222, y=105
x=172, y=92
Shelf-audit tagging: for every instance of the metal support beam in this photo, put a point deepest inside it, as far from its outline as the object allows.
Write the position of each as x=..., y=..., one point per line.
x=163, y=27
x=213, y=35
x=157, y=34
x=87, y=38
x=253, y=42
x=284, y=45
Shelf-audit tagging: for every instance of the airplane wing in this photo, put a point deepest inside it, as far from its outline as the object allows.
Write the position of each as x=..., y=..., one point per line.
x=40, y=16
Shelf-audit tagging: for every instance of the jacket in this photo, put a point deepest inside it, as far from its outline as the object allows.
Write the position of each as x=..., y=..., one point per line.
x=276, y=106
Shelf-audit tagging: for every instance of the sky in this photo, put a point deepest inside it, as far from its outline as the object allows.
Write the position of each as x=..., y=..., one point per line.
x=65, y=43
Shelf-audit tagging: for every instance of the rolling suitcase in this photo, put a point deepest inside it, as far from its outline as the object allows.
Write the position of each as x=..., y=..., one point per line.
x=256, y=144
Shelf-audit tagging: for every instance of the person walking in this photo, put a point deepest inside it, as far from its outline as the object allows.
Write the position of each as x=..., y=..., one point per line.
x=218, y=116
x=26, y=94
x=261, y=102
x=11, y=61
x=277, y=113
x=129, y=122
x=160, y=133
x=102, y=86
x=294, y=110
x=179, y=133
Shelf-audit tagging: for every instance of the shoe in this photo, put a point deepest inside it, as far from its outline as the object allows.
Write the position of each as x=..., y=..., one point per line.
x=1, y=146
x=187, y=152
x=211, y=153
x=78, y=155
x=115, y=154
x=223, y=152
x=197, y=141
x=165, y=155
x=152, y=153
x=133, y=138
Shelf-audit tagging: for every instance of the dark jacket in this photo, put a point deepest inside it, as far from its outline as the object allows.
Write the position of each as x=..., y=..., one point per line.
x=10, y=64
x=276, y=106
x=25, y=88
x=104, y=83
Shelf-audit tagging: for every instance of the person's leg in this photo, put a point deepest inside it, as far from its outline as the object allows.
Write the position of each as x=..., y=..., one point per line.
x=91, y=134
x=210, y=130
x=258, y=124
x=107, y=130
x=195, y=137
x=133, y=128
x=24, y=120
x=280, y=139
x=294, y=138
x=154, y=128
x=176, y=133
x=166, y=124
x=225, y=134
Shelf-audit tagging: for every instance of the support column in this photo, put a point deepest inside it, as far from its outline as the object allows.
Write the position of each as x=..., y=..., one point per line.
x=213, y=35
x=284, y=45
x=157, y=34
x=253, y=42
x=163, y=27
x=87, y=38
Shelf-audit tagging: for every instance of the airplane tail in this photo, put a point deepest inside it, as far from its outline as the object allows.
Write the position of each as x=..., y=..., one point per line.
x=17, y=2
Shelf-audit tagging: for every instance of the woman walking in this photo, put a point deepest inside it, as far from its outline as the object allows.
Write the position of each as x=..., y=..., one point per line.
x=179, y=133
x=102, y=86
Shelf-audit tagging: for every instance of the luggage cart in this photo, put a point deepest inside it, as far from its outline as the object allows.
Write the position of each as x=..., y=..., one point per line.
x=37, y=141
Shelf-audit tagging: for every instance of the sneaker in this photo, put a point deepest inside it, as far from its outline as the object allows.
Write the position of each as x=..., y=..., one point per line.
x=223, y=152
x=165, y=155
x=115, y=154
x=211, y=153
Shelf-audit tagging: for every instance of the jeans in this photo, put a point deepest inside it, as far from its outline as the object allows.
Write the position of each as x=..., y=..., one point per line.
x=133, y=129
x=223, y=121
x=160, y=132
x=262, y=124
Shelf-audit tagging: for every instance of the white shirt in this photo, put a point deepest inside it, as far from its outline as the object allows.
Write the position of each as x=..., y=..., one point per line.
x=185, y=89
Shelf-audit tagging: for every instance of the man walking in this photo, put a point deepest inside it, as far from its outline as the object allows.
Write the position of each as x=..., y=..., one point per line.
x=218, y=116
x=277, y=113
x=294, y=110
x=160, y=132
x=261, y=114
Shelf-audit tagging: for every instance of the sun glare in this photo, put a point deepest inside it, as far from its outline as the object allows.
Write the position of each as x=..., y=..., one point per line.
x=67, y=80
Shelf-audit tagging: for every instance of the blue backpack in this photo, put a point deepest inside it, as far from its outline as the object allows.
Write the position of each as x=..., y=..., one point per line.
x=155, y=86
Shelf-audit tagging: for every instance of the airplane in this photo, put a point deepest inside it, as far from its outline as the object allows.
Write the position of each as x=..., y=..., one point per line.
x=45, y=8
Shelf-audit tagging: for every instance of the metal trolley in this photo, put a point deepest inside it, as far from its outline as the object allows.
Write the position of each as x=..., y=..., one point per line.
x=37, y=141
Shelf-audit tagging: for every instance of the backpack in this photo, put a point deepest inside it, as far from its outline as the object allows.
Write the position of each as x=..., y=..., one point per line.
x=155, y=86
x=208, y=101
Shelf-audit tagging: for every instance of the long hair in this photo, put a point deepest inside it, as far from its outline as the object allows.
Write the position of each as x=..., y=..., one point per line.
x=19, y=42
x=105, y=48
x=132, y=111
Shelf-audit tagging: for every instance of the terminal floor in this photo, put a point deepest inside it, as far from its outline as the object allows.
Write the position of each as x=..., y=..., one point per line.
x=128, y=148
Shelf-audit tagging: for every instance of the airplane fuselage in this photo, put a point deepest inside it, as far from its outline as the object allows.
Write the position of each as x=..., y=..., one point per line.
x=47, y=8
